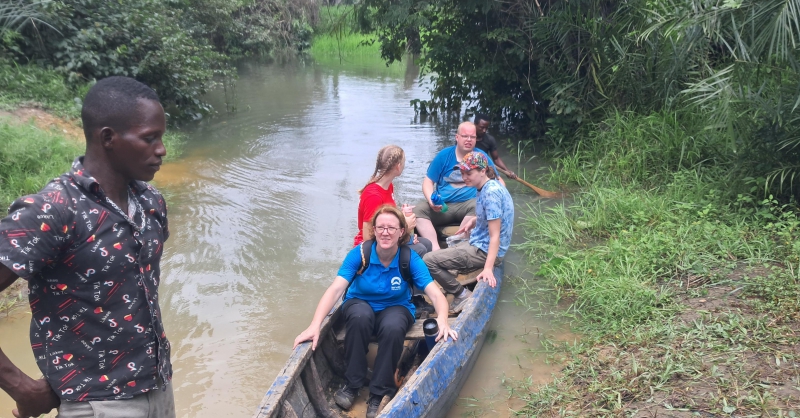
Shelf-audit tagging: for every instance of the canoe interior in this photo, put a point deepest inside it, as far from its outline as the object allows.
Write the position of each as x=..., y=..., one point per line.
x=305, y=386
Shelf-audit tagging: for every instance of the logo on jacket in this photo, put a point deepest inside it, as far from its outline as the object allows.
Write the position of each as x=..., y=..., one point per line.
x=396, y=281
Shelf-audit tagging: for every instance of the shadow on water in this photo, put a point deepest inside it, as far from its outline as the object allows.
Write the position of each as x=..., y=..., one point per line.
x=262, y=211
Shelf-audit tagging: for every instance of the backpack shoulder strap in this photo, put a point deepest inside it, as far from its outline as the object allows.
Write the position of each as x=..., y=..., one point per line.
x=366, y=253
x=405, y=266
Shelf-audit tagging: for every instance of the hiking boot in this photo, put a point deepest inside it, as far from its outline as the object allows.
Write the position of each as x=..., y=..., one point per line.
x=373, y=403
x=459, y=301
x=344, y=397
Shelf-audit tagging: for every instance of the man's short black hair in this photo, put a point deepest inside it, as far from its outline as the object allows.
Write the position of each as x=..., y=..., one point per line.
x=111, y=102
x=481, y=116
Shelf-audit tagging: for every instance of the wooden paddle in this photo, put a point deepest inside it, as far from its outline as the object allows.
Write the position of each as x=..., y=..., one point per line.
x=541, y=192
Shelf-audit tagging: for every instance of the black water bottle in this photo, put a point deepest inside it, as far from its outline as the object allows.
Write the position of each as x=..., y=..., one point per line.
x=430, y=328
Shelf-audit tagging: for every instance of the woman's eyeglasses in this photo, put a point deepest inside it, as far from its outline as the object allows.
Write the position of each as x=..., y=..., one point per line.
x=389, y=229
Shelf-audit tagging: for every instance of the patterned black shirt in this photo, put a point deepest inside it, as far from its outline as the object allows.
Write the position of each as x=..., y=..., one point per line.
x=93, y=277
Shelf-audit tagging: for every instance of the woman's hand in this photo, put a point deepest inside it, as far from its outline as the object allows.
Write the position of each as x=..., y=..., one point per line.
x=487, y=275
x=445, y=330
x=411, y=220
x=442, y=308
x=310, y=334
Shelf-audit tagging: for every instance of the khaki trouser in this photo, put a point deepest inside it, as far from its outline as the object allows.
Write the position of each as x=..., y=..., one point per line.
x=462, y=257
x=154, y=404
x=454, y=215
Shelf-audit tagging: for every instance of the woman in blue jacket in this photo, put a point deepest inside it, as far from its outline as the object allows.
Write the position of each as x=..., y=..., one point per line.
x=377, y=301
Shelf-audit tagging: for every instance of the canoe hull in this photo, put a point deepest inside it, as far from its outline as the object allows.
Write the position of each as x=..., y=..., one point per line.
x=433, y=388
x=302, y=388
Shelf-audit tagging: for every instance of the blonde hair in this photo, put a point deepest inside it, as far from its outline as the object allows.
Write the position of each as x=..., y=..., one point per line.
x=388, y=157
x=392, y=210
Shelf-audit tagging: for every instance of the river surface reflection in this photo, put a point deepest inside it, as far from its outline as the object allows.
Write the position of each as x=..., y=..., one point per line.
x=262, y=209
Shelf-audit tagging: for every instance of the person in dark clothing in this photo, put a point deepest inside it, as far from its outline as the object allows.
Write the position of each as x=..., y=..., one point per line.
x=488, y=144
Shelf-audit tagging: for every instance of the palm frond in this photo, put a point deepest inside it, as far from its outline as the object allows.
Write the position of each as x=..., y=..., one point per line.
x=15, y=14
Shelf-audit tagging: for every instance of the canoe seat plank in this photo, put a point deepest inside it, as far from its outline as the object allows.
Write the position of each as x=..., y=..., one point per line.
x=468, y=278
x=414, y=333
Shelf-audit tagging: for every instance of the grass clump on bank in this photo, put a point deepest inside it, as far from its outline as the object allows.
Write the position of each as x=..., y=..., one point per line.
x=32, y=85
x=352, y=44
x=682, y=279
x=338, y=34
x=29, y=158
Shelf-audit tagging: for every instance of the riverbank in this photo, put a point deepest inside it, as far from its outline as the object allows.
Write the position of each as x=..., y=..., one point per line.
x=683, y=284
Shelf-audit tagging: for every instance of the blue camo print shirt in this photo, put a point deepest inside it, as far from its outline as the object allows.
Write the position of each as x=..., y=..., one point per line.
x=493, y=202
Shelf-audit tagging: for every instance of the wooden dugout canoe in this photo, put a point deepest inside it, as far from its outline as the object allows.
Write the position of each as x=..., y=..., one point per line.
x=304, y=387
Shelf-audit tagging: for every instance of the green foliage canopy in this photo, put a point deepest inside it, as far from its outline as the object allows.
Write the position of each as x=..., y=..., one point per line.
x=174, y=46
x=554, y=68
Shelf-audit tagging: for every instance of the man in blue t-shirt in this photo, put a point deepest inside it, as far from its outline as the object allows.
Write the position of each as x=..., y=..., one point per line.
x=442, y=179
x=489, y=232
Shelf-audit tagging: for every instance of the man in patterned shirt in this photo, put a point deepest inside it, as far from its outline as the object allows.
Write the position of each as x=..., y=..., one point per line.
x=89, y=245
x=489, y=232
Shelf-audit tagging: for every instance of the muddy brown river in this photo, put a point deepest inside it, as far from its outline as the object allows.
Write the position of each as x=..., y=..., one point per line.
x=262, y=210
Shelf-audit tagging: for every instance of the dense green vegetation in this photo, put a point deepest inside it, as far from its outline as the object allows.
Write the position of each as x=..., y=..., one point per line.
x=553, y=69
x=650, y=211
x=685, y=290
x=175, y=46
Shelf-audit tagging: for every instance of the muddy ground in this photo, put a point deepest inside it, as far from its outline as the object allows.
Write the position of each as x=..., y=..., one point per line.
x=730, y=350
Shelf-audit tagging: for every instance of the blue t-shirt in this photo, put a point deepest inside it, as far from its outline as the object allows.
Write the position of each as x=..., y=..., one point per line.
x=380, y=286
x=448, y=181
x=493, y=202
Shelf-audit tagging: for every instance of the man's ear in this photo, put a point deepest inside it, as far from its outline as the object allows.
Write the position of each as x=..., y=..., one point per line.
x=107, y=137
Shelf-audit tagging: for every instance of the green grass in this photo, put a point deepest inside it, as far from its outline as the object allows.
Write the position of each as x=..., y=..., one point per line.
x=660, y=215
x=347, y=45
x=337, y=34
x=34, y=85
x=29, y=158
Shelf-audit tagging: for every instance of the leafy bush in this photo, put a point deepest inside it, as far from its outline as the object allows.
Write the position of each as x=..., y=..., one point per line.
x=260, y=27
x=659, y=201
x=91, y=39
x=174, y=46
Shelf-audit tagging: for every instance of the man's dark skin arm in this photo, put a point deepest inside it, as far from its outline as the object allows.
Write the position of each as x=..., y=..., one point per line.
x=33, y=397
x=499, y=162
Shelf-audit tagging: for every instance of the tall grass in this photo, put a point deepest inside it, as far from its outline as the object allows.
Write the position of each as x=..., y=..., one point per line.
x=656, y=206
x=32, y=84
x=29, y=158
x=337, y=34
x=347, y=45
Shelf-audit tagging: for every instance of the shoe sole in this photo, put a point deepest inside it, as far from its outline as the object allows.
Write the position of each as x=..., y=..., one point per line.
x=343, y=403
